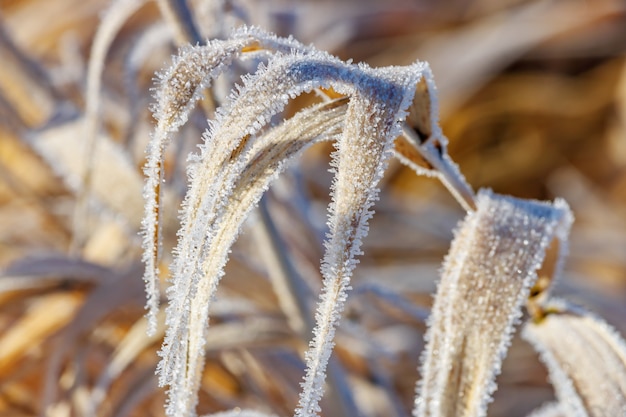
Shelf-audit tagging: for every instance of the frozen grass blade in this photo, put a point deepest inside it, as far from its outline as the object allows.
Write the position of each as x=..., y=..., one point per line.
x=179, y=89
x=487, y=275
x=586, y=359
x=359, y=164
x=231, y=173
x=255, y=169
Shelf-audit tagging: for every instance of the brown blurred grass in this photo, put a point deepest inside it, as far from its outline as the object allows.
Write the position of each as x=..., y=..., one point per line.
x=534, y=104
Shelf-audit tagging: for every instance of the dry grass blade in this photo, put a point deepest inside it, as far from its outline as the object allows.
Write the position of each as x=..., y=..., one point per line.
x=126, y=352
x=36, y=326
x=112, y=170
x=121, y=289
x=487, y=275
x=177, y=14
x=566, y=338
x=49, y=271
x=24, y=84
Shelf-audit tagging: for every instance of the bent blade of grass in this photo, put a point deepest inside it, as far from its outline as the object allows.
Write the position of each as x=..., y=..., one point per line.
x=183, y=349
x=423, y=147
x=586, y=359
x=486, y=277
x=178, y=90
x=379, y=99
x=373, y=124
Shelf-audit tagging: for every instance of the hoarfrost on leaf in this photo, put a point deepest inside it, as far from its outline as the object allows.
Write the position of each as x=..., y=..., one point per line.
x=241, y=155
x=566, y=338
x=486, y=277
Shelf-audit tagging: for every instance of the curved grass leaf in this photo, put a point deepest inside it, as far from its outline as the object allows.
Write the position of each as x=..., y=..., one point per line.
x=256, y=168
x=213, y=209
x=586, y=359
x=117, y=14
x=178, y=90
x=487, y=275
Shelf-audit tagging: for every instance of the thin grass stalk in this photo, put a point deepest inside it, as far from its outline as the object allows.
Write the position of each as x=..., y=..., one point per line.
x=115, y=17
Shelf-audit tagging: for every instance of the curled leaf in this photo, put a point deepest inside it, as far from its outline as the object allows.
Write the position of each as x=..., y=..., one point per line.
x=486, y=277
x=586, y=359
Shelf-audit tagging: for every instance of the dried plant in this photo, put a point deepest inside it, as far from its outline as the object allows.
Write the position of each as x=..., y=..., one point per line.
x=488, y=274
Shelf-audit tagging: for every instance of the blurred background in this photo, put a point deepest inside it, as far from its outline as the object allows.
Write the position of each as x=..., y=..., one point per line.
x=533, y=101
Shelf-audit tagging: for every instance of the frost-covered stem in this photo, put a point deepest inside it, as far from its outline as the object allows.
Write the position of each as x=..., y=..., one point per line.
x=447, y=171
x=117, y=14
